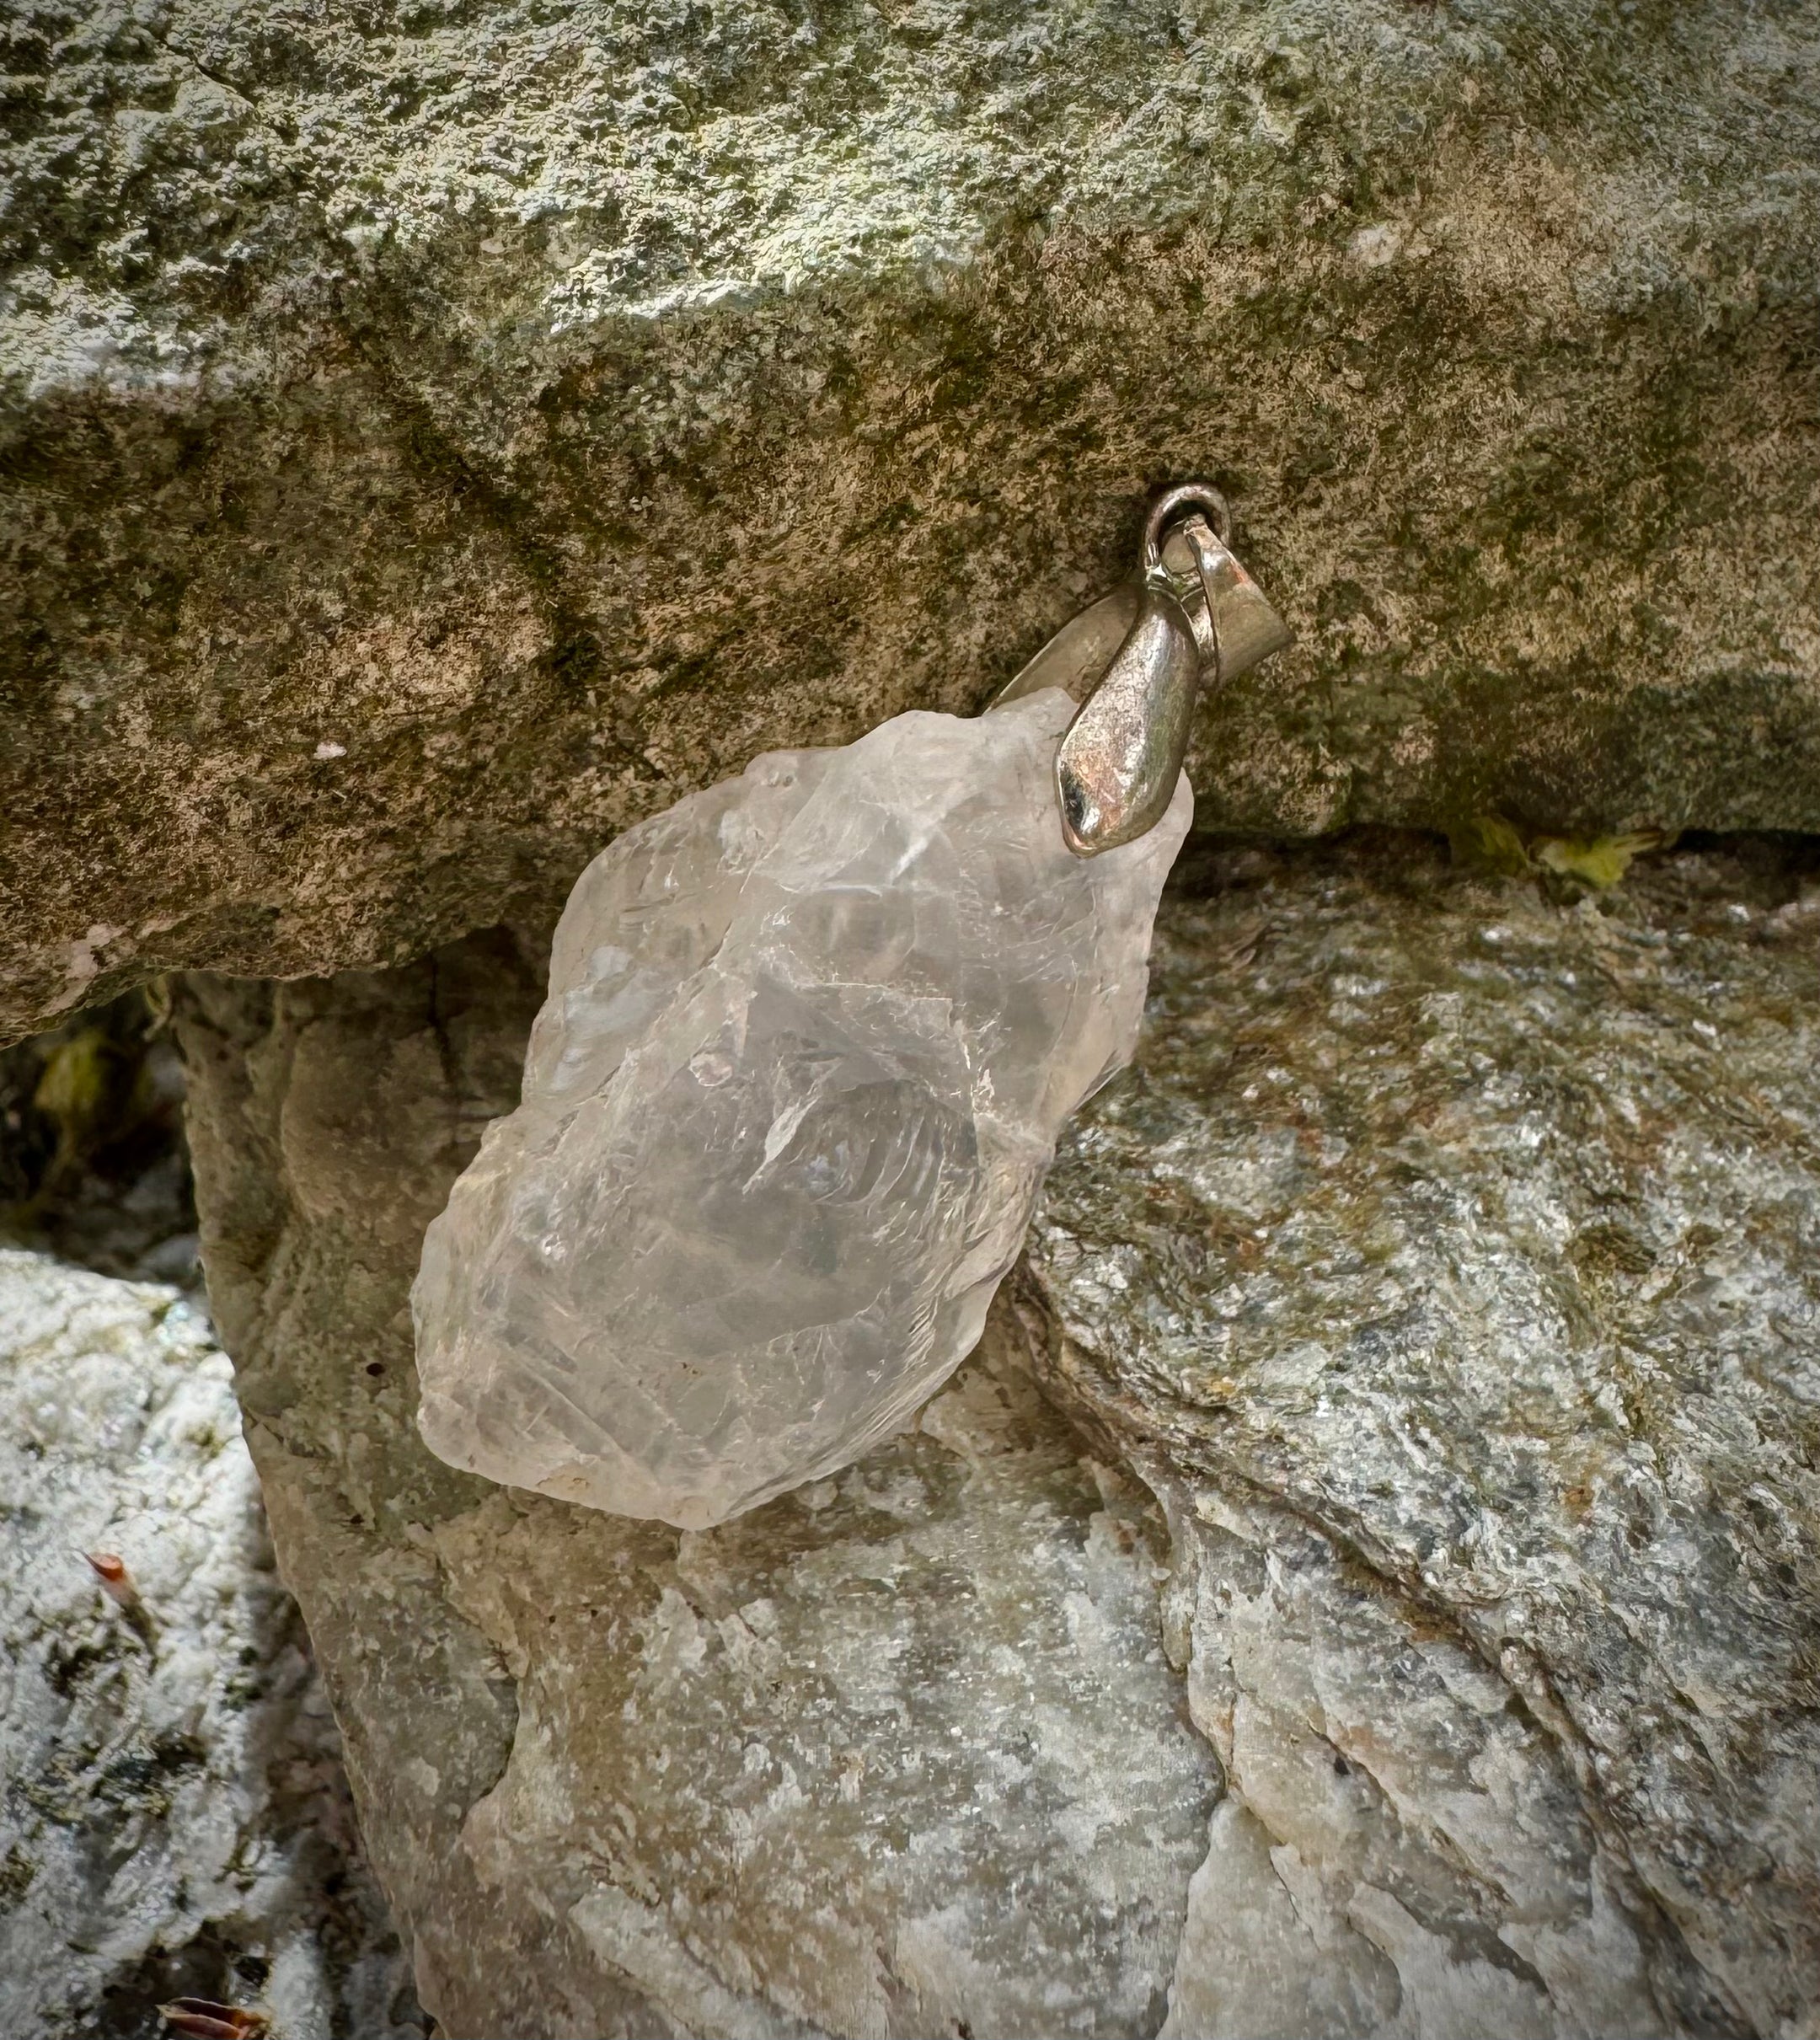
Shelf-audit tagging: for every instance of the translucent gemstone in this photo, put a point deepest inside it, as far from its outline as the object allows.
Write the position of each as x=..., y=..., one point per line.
x=810, y=1037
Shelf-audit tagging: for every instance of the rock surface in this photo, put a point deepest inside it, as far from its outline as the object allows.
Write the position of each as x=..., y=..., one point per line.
x=898, y=1754
x=809, y=1040
x=1444, y=1269
x=438, y=436
x=1449, y=1258
x=173, y=1820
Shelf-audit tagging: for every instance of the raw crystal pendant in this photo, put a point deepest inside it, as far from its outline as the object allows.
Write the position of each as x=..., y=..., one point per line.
x=810, y=1038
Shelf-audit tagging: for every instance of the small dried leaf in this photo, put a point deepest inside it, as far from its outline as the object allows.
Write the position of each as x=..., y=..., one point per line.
x=117, y=1583
x=1600, y=861
x=1489, y=843
x=202, y=2019
x=1242, y=947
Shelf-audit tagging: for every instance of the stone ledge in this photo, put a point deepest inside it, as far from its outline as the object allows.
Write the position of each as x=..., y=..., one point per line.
x=431, y=449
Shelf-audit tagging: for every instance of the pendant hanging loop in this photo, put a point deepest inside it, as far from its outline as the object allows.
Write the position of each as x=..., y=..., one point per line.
x=1188, y=495
x=1136, y=659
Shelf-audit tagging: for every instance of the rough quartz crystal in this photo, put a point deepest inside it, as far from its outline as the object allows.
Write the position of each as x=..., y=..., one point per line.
x=810, y=1037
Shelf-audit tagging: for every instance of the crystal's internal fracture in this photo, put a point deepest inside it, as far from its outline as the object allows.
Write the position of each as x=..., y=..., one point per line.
x=810, y=1037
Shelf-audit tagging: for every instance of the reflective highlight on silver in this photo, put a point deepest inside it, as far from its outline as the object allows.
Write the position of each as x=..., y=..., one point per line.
x=1135, y=661
x=1123, y=752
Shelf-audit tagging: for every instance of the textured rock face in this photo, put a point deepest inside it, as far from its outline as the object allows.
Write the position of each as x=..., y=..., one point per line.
x=809, y=1040
x=173, y=1820
x=896, y=1754
x=1445, y=1272
x=1451, y=1256
x=440, y=437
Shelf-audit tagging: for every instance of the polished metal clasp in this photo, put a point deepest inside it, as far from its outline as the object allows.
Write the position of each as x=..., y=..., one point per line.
x=1135, y=661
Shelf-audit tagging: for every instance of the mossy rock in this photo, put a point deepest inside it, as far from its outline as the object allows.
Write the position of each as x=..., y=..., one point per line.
x=435, y=436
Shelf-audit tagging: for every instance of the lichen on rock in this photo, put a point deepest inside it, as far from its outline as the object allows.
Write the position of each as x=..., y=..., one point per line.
x=435, y=441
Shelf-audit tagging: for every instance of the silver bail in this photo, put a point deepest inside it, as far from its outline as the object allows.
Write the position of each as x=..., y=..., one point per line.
x=1135, y=660
x=1116, y=768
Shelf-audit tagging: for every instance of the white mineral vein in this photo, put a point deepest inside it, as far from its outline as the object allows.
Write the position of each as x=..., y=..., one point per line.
x=810, y=1037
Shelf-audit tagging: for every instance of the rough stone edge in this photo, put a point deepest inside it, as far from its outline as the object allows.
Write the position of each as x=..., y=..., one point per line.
x=1135, y=1435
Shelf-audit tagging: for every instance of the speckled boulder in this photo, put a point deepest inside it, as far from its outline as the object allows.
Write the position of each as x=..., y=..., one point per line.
x=436, y=435
x=173, y=1818
x=1449, y=1259
x=1444, y=1269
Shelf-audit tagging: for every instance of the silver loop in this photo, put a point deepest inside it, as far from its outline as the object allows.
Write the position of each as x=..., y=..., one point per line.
x=1197, y=494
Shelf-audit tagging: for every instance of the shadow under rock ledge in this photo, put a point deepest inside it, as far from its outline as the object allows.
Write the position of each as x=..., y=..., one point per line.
x=174, y=1818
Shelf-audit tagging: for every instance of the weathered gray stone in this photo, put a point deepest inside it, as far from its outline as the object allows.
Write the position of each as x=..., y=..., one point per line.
x=437, y=436
x=1449, y=1258
x=1446, y=1271
x=898, y=1754
x=173, y=1818
x=1401, y=1851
